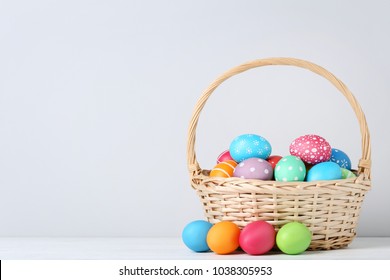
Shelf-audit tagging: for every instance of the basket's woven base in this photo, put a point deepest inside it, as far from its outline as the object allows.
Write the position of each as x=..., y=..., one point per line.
x=330, y=209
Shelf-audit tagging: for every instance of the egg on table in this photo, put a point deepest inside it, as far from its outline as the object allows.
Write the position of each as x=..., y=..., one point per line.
x=293, y=238
x=257, y=237
x=194, y=235
x=223, y=237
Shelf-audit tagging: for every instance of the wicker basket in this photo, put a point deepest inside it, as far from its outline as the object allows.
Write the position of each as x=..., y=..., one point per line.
x=329, y=208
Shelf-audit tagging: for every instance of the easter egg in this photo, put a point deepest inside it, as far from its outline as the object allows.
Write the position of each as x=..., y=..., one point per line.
x=311, y=149
x=273, y=160
x=293, y=238
x=224, y=156
x=194, y=235
x=223, y=237
x=340, y=158
x=346, y=174
x=224, y=169
x=257, y=238
x=254, y=168
x=324, y=171
x=248, y=146
x=290, y=168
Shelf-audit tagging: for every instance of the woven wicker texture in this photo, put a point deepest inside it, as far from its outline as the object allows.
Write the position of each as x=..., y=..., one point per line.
x=329, y=208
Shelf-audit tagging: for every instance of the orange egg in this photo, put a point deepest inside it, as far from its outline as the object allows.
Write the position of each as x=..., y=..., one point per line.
x=223, y=237
x=224, y=169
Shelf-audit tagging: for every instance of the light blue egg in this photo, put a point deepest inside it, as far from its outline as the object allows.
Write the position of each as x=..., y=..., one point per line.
x=341, y=158
x=327, y=170
x=194, y=235
x=249, y=146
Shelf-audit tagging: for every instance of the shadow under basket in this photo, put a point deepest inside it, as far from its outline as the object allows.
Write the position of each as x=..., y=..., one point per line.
x=330, y=209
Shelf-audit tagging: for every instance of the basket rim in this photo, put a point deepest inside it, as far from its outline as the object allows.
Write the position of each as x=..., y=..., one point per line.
x=240, y=185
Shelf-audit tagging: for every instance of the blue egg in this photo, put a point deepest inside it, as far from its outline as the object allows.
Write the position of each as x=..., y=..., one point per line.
x=340, y=158
x=194, y=235
x=327, y=170
x=249, y=146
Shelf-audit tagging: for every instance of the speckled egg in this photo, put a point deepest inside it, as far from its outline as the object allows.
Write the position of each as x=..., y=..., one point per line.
x=254, y=168
x=249, y=146
x=324, y=171
x=311, y=149
x=341, y=158
x=290, y=168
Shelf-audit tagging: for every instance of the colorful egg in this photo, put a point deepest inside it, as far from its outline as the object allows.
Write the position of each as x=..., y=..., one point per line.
x=293, y=238
x=194, y=235
x=224, y=169
x=311, y=149
x=340, y=158
x=254, y=168
x=224, y=156
x=257, y=238
x=223, y=237
x=324, y=171
x=248, y=146
x=346, y=174
x=290, y=168
x=273, y=160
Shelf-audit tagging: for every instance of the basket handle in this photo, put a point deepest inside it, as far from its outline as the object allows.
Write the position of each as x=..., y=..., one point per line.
x=364, y=164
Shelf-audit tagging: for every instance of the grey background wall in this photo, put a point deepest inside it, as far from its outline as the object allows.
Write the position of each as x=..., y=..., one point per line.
x=96, y=96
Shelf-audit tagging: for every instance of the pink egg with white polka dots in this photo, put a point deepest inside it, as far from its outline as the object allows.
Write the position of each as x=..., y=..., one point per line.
x=254, y=168
x=311, y=148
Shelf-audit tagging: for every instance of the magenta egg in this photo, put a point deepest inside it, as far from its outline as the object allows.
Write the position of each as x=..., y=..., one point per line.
x=254, y=168
x=224, y=156
x=257, y=238
x=311, y=148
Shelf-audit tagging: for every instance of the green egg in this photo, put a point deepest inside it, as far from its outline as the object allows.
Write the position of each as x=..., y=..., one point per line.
x=289, y=169
x=293, y=238
x=346, y=174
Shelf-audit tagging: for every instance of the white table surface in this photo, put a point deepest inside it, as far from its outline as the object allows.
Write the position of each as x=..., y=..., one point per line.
x=363, y=248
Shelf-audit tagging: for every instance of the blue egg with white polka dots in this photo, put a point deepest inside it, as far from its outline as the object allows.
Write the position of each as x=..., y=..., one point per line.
x=249, y=146
x=340, y=158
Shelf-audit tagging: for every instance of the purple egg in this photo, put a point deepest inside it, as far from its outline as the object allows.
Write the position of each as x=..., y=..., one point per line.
x=254, y=168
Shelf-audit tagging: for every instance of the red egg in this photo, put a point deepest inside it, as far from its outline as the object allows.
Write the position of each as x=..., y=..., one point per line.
x=224, y=156
x=273, y=160
x=257, y=238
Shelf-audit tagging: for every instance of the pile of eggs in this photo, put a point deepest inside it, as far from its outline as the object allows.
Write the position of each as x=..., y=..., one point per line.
x=311, y=158
x=256, y=238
